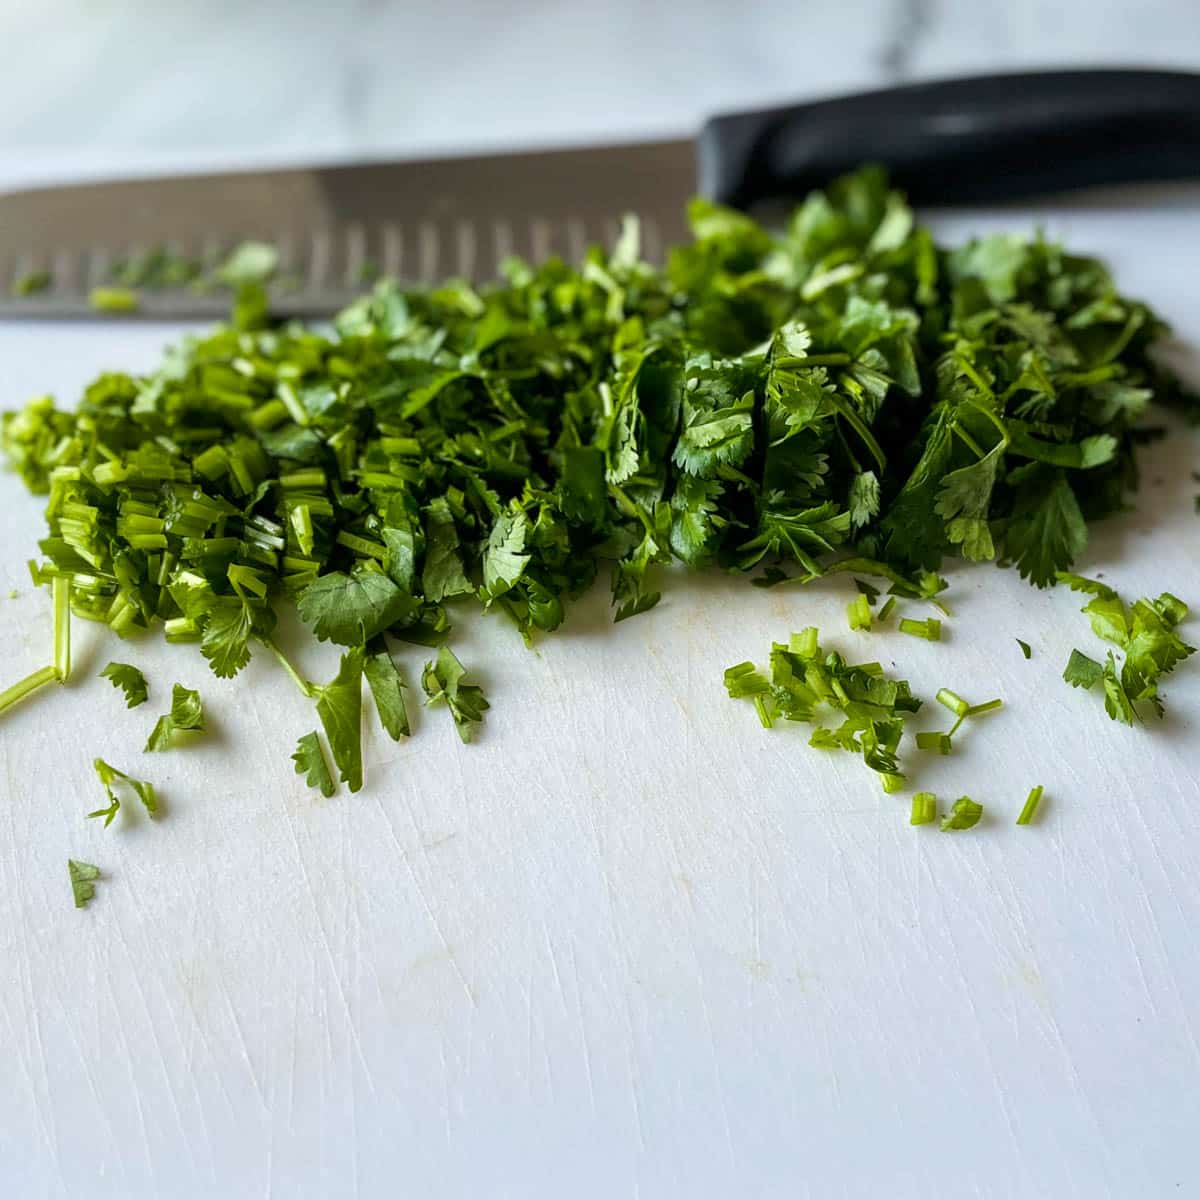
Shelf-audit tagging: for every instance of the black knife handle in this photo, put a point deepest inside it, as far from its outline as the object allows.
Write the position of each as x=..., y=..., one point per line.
x=966, y=141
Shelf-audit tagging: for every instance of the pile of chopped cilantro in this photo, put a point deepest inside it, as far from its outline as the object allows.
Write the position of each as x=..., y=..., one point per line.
x=845, y=396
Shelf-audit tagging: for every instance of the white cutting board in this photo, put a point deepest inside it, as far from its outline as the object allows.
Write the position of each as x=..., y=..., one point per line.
x=628, y=944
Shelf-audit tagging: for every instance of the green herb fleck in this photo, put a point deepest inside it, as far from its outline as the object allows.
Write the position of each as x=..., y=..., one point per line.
x=130, y=680
x=443, y=681
x=186, y=716
x=310, y=762
x=964, y=814
x=83, y=881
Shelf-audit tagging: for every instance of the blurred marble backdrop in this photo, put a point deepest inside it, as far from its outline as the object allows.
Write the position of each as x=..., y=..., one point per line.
x=92, y=86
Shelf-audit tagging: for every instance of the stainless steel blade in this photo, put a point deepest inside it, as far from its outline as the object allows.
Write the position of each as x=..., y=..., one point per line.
x=419, y=221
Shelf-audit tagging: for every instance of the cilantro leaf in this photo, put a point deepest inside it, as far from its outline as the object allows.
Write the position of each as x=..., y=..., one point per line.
x=310, y=762
x=108, y=775
x=1047, y=532
x=964, y=814
x=339, y=706
x=387, y=688
x=186, y=716
x=504, y=559
x=443, y=574
x=352, y=609
x=83, y=881
x=130, y=680
x=1082, y=671
x=444, y=682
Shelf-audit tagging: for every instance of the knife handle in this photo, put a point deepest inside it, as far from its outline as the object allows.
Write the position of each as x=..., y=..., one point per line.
x=965, y=141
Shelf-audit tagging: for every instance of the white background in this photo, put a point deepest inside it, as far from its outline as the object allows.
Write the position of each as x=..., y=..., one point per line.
x=628, y=944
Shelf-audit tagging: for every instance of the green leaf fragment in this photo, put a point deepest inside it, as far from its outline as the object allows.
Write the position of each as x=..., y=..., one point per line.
x=964, y=814
x=130, y=680
x=444, y=681
x=339, y=706
x=83, y=881
x=110, y=775
x=387, y=688
x=186, y=716
x=310, y=762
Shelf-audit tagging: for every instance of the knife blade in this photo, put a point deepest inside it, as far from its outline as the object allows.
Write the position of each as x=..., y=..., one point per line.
x=984, y=139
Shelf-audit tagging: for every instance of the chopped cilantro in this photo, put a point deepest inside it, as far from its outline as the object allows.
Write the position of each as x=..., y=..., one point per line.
x=31, y=283
x=964, y=814
x=859, y=612
x=114, y=299
x=339, y=706
x=130, y=680
x=924, y=808
x=844, y=396
x=930, y=629
x=443, y=681
x=1026, y=649
x=83, y=881
x=387, y=688
x=1029, y=810
x=186, y=716
x=1145, y=631
x=108, y=775
x=310, y=762
x=804, y=680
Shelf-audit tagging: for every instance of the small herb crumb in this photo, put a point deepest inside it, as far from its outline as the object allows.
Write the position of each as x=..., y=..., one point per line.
x=83, y=881
x=1025, y=648
x=964, y=814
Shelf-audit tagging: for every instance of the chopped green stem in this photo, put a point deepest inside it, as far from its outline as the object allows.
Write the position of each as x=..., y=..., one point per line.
x=969, y=441
x=31, y=683
x=61, y=590
x=954, y=702
x=988, y=706
x=309, y=689
x=924, y=808
x=1031, y=806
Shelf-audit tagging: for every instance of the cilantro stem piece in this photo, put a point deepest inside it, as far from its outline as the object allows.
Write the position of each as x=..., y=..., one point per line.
x=114, y=299
x=83, y=881
x=955, y=703
x=24, y=687
x=61, y=590
x=930, y=629
x=924, y=808
x=886, y=611
x=934, y=740
x=964, y=814
x=303, y=684
x=1031, y=806
x=976, y=710
x=859, y=613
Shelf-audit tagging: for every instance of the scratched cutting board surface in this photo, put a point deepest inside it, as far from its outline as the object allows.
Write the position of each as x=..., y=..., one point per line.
x=628, y=944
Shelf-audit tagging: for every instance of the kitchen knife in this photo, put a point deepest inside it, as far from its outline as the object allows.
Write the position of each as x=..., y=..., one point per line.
x=988, y=139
